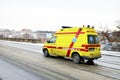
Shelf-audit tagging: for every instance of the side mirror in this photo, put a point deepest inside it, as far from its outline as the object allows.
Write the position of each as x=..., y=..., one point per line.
x=48, y=41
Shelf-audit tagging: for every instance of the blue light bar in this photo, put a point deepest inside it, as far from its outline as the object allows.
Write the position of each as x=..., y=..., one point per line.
x=66, y=27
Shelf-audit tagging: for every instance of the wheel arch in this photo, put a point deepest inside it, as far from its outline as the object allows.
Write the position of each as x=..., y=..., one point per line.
x=44, y=49
x=75, y=53
x=81, y=58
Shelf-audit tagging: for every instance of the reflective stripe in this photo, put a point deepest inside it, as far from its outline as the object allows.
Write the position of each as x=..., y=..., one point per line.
x=59, y=47
x=66, y=33
x=66, y=48
x=50, y=46
x=84, y=45
x=72, y=43
x=90, y=45
x=70, y=33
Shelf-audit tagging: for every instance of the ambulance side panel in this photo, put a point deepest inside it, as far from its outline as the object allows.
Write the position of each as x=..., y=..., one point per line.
x=62, y=44
x=79, y=42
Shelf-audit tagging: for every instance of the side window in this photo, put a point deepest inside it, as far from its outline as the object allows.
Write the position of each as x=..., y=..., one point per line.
x=97, y=40
x=52, y=40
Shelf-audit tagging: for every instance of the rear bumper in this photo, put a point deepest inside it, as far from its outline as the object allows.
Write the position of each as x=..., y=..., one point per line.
x=91, y=58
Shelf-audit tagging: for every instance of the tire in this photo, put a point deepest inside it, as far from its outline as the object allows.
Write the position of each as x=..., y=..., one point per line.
x=90, y=62
x=76, y=58
x=46, y=53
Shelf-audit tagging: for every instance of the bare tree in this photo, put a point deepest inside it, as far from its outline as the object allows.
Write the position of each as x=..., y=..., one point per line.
x=118, y=24
x=118, y=27
x=110, y=36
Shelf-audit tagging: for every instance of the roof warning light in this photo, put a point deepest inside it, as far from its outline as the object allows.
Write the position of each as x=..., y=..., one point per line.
x=66, y=27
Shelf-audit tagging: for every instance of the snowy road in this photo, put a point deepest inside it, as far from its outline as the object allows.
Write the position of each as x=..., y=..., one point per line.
x=109, y=59
x=9, y=71
x=30, y=56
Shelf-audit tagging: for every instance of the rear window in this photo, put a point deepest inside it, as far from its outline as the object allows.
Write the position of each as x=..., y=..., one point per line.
x=93, y=39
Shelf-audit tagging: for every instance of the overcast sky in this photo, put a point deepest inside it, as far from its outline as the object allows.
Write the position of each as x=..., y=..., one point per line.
x=52, y=14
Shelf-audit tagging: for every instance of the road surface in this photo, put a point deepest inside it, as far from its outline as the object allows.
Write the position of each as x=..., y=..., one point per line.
x=30, y=57
x=9, y=71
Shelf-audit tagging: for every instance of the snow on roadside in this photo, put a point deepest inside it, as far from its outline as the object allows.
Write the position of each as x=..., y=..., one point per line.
x=111, y=53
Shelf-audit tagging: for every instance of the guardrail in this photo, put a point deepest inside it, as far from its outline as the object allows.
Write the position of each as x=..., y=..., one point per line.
x=22, y=40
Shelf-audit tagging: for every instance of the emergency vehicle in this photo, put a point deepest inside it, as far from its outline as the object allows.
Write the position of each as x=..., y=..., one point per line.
x=76, y=43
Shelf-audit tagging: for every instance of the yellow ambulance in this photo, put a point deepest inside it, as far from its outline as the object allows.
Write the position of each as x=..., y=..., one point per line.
x=77, y=43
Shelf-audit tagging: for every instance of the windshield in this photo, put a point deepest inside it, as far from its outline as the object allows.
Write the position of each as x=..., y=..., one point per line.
x=93, y=39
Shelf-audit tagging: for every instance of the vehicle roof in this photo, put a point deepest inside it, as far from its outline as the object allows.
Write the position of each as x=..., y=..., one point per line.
x=74, y=30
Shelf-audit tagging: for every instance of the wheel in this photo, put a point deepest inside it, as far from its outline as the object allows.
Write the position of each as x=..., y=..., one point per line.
x=76, y=58
x=46, y=53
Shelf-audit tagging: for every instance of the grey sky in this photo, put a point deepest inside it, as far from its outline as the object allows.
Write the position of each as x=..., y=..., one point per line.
x=52, y=14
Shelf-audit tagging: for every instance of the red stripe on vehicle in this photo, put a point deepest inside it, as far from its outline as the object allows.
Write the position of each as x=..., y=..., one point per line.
x=59, y=47
x=91, y=45
x=67, y=33
x=72, y=43
x=70, y=33
x=50, y=46
x=69, y=49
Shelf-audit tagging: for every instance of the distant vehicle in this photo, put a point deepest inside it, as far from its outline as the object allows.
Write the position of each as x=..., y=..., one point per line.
x=77, y=43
